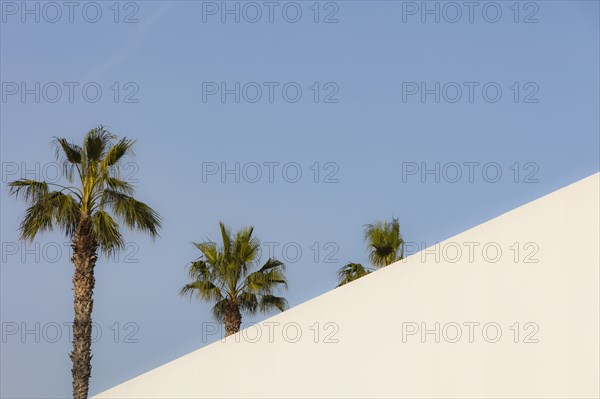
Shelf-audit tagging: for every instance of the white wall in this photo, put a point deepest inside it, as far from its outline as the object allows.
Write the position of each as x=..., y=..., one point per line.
x=560, y=294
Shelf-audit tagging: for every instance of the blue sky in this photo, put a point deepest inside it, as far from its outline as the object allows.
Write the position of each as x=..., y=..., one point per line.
x=366, y=130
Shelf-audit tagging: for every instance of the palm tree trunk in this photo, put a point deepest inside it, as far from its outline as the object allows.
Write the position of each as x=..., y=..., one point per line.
x=84, y=258
x=233, y=318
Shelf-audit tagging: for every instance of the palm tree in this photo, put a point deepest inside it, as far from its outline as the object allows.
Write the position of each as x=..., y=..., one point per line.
x=223, y=275
x=385, y=246
x=86, y=209
x=384, y=242
x=351, y=272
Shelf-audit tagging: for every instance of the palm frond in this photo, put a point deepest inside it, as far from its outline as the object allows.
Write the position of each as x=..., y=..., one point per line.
x=266, y=279
x=272, y=263
x=68, y=212
x=67, y=151
x=210, y=251
x=70, y=154
x=107, y=232
x=246, y=249
x=47, y=211
x=204, y=289
x=226, y=238
x=39, y=217
x=120, y=186
x=96, y=143
x=269, y=303
x=199, y=270
x=218, y=310
x=133, y=213
x=248, y=302
x=116, y=153
x=28, y=190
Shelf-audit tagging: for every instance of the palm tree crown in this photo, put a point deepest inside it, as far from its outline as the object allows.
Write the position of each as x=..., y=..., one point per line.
x=384, y=242
x=94, y=191
x=223, y=275
x=351, y=272
x=385, y=246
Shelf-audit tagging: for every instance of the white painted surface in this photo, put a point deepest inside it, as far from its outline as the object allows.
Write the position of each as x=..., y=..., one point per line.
x=560, y=294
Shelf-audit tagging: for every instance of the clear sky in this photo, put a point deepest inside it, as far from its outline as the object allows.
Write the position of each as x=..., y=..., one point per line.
x=367, y=120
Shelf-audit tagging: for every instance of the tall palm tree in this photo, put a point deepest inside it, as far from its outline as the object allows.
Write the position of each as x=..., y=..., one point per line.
x=384, y=242
x=385, y=246
x=223, y=275
x=87, y=208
